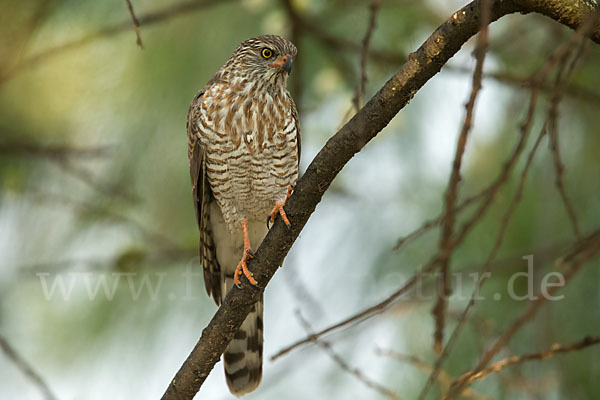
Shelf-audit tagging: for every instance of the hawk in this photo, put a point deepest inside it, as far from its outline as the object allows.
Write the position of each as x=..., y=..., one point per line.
x=244, y=150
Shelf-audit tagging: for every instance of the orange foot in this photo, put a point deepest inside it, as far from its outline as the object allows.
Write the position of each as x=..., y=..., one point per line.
x=278, y=209
x=247, y=255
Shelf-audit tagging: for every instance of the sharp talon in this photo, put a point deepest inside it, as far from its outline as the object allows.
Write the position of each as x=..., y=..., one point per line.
x=239, y=286
x=268, y=220
x=250, y=253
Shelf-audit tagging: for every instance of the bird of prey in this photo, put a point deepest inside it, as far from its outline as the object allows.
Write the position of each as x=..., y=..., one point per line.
x=244, y=150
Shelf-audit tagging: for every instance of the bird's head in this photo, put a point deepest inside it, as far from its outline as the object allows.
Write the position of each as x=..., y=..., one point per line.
x=267, y=58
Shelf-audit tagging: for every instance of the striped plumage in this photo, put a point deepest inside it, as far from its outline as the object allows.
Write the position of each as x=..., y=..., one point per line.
x=244, y=149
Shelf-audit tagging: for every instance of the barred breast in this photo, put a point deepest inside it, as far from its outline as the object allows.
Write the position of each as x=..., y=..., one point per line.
x=251, y=148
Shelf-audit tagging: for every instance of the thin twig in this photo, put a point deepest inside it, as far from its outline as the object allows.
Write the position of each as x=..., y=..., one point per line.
x=561, y=53
x=13, y=49
x=536, y=80
x=524, y=83
x=361, y=316
x=487, y=266
x=446, y=237
x=26, y=369
x=444, y=378
x=582, y=252
x=382, y=305
x=559, y=167
x=357, y=373
x=136, y=24
x=166, y=13
x=296, y=34
x=153, y=236
x=86, y=177
x=469, y=377
x=364, y=53
x=68, y=159
x=29, y=149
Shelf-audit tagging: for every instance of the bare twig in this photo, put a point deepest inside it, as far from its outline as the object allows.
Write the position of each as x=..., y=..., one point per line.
x=384, y=304
x=444, y=378
x=582, y=252
x=387, y=57
x=361, y=316
x=536, y=80
x=13, y=49
x=68, y=159
x=29, y=149
x=469, y=377
x=297, y=33
x=524, y=83
x=357, y=373
x=446, y=237
x=136, y=24
x=559, y=167
x=86, y=177
x=560, y=54
x=142, y=257
x=153, y=236
x=172, y=11
x=487, y=266
x=364, y=52
x=486, y=193
x=26, y=369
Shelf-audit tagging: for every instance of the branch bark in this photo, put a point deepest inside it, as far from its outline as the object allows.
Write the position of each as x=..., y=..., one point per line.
x=421, y=66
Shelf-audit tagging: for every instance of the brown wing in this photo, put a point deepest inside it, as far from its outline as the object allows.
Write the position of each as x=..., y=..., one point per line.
x=202, y=196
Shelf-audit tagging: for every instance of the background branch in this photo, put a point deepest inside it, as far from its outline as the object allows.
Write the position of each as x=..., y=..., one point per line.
x=136, y=24
x=26, y=369
x=469, y=377
x=177, y=10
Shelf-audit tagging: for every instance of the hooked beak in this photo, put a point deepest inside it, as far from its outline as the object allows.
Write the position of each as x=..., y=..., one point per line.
x=285, y=63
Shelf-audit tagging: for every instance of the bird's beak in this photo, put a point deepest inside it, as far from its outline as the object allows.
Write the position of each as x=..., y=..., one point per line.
x=285, y=63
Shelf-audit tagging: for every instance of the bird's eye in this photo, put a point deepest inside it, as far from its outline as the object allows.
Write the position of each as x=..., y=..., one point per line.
x=266, y=53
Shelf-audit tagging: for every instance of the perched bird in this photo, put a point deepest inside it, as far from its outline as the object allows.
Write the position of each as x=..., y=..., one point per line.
x=244, y=149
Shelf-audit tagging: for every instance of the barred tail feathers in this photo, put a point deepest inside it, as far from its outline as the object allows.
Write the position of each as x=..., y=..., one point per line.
x=243, y=356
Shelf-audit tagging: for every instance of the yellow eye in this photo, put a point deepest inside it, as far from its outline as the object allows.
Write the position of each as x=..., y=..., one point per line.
x=266, y=53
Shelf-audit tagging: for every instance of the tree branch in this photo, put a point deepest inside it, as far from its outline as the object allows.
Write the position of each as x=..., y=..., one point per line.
x=469, y=377
x=364, y=52
x=582, y=252
x=151, y=18
x=421, y=66
x=345, y=366
x=559, y=54
x=136, y=24
x=26, y=369
x=446, y=238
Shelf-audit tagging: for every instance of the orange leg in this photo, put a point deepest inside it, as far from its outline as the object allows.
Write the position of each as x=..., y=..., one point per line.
x=242, y=267
x=278, y=209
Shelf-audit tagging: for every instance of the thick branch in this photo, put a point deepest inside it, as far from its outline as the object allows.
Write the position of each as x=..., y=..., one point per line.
x=350, y=139
x=571, y=13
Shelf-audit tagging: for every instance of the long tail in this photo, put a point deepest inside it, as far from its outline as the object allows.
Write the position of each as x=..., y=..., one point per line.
x=243, y=356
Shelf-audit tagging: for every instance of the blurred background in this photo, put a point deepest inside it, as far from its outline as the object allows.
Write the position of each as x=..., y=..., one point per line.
x=101, y=293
